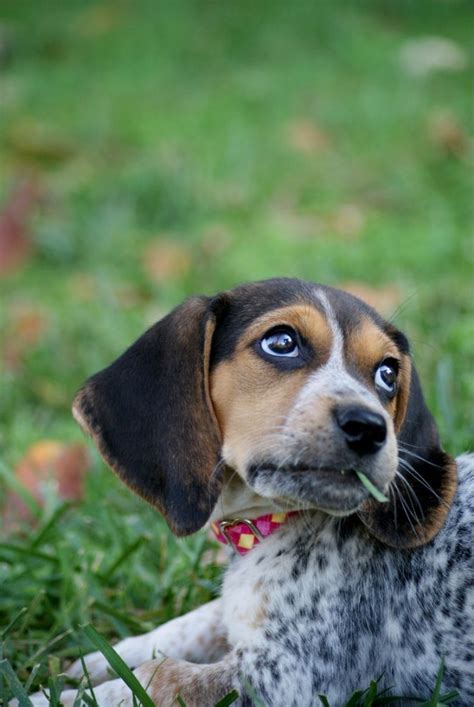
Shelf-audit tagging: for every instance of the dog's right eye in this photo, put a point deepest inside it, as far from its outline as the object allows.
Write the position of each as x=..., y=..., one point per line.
x=280, y=342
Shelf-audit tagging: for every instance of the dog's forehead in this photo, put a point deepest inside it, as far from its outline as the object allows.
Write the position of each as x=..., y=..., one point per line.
x=252, y=301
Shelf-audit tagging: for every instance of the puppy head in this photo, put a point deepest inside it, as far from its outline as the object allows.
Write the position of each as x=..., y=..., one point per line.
x=293, y=386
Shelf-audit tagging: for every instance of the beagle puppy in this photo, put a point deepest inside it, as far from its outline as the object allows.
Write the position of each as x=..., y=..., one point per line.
x=290, y=417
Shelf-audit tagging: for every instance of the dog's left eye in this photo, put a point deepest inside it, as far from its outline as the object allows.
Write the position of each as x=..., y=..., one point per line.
x=386, y=377
x=280, y=342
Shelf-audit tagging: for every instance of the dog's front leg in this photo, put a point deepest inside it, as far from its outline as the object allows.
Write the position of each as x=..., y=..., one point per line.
x=198, y=636
x=164, y=679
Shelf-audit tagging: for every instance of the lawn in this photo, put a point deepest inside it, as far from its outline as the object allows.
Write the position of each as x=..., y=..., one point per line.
x=184, y=147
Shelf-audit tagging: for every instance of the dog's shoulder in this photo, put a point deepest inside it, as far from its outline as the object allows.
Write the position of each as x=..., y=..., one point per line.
x=459, y=523
x=465, y=466
x=449, y=555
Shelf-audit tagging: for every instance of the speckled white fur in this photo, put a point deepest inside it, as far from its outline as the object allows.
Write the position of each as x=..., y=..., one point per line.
x=314, y=610
x=320, y=606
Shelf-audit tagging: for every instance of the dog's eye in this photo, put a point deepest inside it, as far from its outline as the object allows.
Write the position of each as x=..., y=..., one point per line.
x=280, y=342
x=386, y=377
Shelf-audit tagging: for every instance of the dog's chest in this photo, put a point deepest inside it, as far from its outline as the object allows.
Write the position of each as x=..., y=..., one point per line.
x=290, y=579
x=331, y=611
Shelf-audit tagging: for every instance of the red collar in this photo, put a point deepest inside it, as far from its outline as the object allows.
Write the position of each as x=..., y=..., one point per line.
x=243, y=534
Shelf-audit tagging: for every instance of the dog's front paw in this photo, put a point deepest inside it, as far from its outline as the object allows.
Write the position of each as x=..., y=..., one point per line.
x=39, y=699
x=133, y=651
x=97, y=668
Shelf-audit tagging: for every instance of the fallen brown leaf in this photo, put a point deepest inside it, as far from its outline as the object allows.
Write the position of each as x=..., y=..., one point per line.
x=50, y=392
x=231, y=195
x=26, y=325
x=447, y=134
x=100, y=19
x=129, y=295
x=83, y=286
x=303, y=135
x=384, y=299
x=347, y=221
x=38, y=143
x=295, y=225
x=52, y=463
x=15, y=235
x=215, y=239
x=165, y=260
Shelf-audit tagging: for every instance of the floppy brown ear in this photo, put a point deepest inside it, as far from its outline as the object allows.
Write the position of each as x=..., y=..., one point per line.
x=424, y=488
x=151, y=416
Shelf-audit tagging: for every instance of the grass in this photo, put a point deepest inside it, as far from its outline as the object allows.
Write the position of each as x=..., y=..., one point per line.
x=229, y=142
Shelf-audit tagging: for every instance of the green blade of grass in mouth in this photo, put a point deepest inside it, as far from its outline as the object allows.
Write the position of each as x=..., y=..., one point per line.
x=373, y=490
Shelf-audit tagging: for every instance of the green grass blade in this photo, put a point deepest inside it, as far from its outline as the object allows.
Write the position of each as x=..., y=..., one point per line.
x=450, y=697
x=80, y=693
x=127, y=552
x=228, y=699
x=3, y=691
x=50, y=523
x=13, y=622
x=55, y=687
x=45, y=648
x=355, y=699
x=15, y=685
x=373, y=490
x=88, y=699
x=32, y=676
x=435, y=699
x=27, y=552
x=121, y=616
x=370, y=694
x=118, y=665
x=251, y=694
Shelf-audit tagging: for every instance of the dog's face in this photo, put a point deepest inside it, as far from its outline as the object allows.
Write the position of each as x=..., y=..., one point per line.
x=305, y=397
x=295, y=387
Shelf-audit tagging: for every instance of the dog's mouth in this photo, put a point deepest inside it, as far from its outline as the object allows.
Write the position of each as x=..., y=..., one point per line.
x=334, y=491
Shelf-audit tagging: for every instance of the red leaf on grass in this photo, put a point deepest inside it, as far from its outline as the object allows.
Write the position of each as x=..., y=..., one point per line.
x=25, y=328
x=15, y=236
x=52, y=463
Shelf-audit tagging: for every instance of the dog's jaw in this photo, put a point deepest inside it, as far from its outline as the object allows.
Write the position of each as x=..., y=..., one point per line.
x=239, y=500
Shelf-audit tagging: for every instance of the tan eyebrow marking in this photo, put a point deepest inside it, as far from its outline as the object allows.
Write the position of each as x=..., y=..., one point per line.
x=307, y=320
x=366, y=346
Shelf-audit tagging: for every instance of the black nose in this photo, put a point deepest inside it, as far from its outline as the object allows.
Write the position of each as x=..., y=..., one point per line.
x=365, y=431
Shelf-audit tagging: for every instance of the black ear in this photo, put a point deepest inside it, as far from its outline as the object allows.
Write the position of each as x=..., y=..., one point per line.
x=151, y=416
x=425, y=485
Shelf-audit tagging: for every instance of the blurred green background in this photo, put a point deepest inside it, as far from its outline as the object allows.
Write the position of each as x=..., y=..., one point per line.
x=184, y=147
x=151, y=150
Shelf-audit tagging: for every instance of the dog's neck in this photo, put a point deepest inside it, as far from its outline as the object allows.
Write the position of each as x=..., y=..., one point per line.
x=238, y=500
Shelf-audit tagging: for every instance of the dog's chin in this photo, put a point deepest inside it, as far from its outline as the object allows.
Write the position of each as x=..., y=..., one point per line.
x=336, y=492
